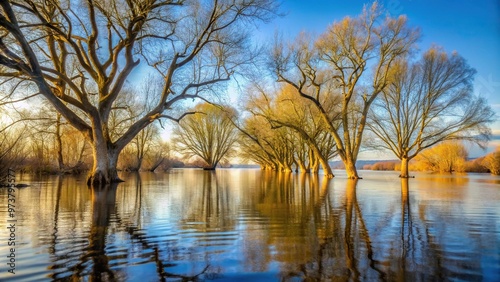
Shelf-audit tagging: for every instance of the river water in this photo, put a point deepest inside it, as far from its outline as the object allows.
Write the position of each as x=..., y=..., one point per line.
x=252, y=225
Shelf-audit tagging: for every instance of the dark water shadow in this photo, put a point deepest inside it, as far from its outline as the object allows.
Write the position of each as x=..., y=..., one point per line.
x=103, y=202
x=312, y=228
x=344, y=250
x=93, y=262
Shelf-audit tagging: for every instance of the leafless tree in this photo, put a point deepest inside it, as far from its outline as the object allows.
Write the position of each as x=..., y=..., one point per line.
x=11, y=147
x=283, y=108
x=79, y=55
x=271, y=148
x=350, y=60
x=129, y=108
x=208, y=134
x=56, y=147
x=138, y=150
x=429, y=102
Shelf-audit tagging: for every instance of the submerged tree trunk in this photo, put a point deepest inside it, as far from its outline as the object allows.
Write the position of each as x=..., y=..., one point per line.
x=318, y=157
x=313, y=164
x=105, y=161
x=327, y=170
x=404, y=168
x=302, y=166
x=286, y=168
x=350, y=169
x=104, y=168
x=210, y=164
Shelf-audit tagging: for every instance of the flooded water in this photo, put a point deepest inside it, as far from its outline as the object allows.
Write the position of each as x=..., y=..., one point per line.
x=251, y=225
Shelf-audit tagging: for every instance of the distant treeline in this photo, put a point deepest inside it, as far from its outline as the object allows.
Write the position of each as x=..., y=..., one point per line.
x=446, y=157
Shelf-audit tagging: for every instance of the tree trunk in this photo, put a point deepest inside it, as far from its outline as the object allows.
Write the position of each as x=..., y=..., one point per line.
x=327, y=170
x=156, y=164
x=350, y=169
x=210, y=165
x=302, y=166
x=60, y=159
x=314, y=164
x=404, y=168
x=287, y=168
x=104, y=168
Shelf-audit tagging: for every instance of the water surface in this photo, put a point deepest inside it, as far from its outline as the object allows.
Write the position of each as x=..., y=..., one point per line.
x=252, y=225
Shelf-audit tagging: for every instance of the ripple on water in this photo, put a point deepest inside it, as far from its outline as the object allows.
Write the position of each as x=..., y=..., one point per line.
x=251, y=225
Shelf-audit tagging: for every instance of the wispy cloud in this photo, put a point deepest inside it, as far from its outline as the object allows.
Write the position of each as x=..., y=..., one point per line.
x=495, y=132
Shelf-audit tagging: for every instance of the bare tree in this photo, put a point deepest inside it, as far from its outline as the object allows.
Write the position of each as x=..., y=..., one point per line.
x=429, y=102
x=271, y=148
x=55, y=145
x=265, y=142
x=283, y=108
x=140, y=148
x=350, y=60
x=159, y=155
x=208, y=134
x=130, y=107
x=79, y=56
x=252, y=148
x=11, y=147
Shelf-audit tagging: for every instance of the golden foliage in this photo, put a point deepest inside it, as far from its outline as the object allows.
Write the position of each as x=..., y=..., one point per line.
x=449, y=156
x=384, y=165
x=492, y=162
x=476, y=165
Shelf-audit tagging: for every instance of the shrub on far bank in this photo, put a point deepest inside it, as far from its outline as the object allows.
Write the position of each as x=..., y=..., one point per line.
x=384, y=165
x=476, y=165
x=492, y=162
x=449, y=156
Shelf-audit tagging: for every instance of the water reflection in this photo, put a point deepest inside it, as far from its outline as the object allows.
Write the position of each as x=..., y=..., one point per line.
x=342, y=246
x=103, y=206
x=79, y=256
x=209, y=205
x=231, y=225
x=97, y=260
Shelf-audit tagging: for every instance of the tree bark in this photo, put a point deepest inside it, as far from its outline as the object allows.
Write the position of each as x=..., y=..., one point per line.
x=105, y=161
x=327, y=170
x=350, y=169
x=104, y=169
x=404, y=168
x=313, y=164
x=60, y=159
x=302, y=166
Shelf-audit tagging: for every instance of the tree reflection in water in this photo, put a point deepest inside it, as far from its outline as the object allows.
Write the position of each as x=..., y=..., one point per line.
x=342, y=249
x=93, y=261
x=209, y=205
x=193, y=225
x=103, y=206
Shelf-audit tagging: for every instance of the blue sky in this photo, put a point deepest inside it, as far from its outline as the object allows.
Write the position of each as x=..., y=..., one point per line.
x=472, y=28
